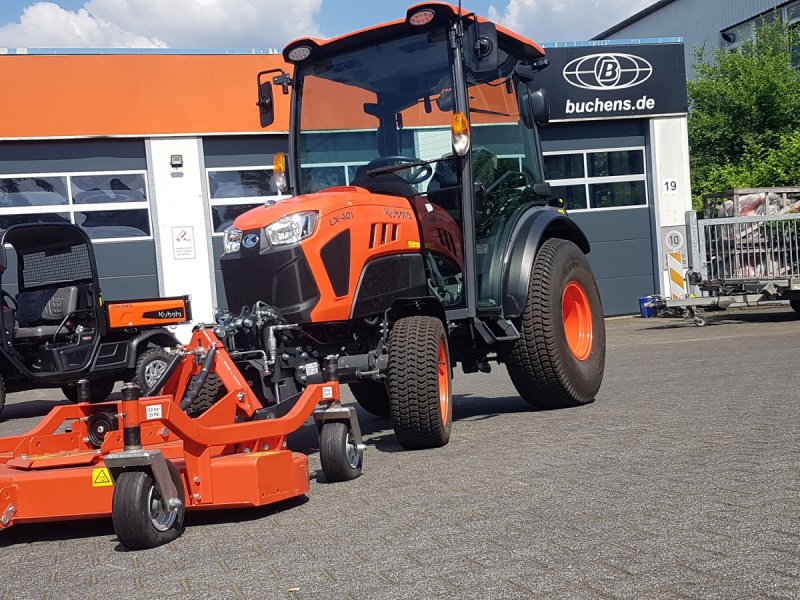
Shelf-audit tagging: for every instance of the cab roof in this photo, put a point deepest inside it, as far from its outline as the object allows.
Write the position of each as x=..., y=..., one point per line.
x=443, y=12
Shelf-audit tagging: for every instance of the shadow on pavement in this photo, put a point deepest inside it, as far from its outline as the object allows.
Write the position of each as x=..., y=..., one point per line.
x=714, y=318
x=28, y=533
x=31, y=408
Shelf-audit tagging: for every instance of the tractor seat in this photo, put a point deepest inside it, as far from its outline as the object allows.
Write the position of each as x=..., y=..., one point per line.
x=40, y=313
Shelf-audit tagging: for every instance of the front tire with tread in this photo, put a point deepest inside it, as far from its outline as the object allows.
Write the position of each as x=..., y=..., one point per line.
x=418, y=382
x=150, y=365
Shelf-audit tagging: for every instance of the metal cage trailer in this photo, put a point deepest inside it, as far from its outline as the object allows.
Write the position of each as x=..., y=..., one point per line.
x=746, y=251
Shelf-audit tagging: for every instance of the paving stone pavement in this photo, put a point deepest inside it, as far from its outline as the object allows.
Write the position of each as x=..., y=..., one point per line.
x=681, y=481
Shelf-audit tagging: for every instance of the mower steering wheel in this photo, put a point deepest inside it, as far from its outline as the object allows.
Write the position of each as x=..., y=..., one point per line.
x=11, y=301
x=417, y=175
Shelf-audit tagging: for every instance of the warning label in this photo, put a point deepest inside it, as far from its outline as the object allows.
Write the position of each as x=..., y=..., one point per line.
x=101, y=478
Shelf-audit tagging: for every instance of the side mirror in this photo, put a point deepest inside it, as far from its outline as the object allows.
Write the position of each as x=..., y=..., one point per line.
x=542, y=190
x=534, y=107
x=266, y=101
x=480, y=48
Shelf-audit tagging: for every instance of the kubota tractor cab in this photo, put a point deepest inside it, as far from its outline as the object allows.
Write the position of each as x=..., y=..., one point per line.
x=56, y=328
x=420, y=232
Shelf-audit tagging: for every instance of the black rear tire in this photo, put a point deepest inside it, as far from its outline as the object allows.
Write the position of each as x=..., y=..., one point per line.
x=418, y=382
x=99, y=390
x=2, y=393
x=212, y=390
x=372, y=396
x=140, y=517
x=795, y=304
x=341, y=459
x=543, y=367
x=150, y=365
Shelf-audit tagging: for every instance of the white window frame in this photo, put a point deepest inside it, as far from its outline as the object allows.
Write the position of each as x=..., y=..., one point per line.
x=71, y=208
x=586, y=180
x=236, y=200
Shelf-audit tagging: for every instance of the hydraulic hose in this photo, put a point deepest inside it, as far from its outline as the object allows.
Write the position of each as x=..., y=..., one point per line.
x=198, y=383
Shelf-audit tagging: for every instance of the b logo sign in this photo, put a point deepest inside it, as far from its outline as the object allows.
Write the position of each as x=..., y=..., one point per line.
x=607, y=71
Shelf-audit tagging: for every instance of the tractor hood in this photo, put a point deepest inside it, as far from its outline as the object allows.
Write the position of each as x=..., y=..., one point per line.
x=328, y=203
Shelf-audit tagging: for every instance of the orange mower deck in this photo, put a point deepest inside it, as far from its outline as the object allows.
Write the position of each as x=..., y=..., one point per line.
x=59, y=471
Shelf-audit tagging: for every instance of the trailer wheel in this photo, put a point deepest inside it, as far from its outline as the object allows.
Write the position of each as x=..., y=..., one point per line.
x=2, y=393
x=150, y=365
x=372, y=396
x=99, y=390
x=341, y=458
x=560, y=356
x=418, y=382
x=140, y=515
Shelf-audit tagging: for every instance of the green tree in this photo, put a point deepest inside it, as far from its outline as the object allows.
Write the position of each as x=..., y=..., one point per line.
x=745, y=114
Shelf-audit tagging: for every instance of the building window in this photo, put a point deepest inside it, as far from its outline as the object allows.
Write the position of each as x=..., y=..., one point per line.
x=598, y=179
x=109, y=206
x=234, y=191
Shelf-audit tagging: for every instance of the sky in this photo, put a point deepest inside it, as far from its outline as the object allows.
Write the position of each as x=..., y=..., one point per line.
x=270, y=23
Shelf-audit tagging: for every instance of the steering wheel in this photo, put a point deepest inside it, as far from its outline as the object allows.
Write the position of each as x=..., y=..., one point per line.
x=10, y=299
x=417, y=175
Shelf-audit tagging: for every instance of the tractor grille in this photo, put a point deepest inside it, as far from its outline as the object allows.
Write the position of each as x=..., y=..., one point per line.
x=383, y=233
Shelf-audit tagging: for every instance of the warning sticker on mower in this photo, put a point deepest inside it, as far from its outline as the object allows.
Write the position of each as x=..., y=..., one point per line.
x=312, y=368
x=101, y=478
x=153, y=411
x=327, y=392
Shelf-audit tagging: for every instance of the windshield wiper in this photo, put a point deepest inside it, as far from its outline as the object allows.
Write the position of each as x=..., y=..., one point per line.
x=486, y=111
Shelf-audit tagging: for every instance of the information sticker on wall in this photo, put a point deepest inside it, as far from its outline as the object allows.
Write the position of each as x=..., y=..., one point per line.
x=183, y=242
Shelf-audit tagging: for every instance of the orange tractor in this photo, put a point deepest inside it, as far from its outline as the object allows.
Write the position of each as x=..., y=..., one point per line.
x=437, y=244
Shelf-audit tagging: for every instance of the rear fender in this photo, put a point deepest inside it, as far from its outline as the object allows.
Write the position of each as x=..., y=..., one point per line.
x=530, y=232
x=156, y=337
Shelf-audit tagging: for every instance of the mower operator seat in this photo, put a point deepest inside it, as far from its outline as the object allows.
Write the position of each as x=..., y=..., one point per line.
x=40, y=313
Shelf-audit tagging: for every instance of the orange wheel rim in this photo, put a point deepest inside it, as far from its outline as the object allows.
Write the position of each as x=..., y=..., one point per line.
x=444, y=383
x=577, y=315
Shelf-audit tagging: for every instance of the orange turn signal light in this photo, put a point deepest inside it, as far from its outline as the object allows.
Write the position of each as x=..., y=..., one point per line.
x=459, y=129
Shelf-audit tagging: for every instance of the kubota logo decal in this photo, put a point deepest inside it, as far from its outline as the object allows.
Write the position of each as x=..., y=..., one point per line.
x=607, y=71
x=250, y=240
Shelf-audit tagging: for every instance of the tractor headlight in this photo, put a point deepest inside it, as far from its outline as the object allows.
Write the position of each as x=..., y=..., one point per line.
x=231, y=240
x=292, y=228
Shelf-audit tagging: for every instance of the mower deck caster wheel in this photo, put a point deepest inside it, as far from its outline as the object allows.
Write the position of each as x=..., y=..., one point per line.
x=141, y=517
x=341, y=457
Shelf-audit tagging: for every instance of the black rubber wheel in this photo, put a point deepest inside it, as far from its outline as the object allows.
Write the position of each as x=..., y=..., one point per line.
x=210, y=393
x=341, y=459
x=795, y=304
x=150, y=365
x=2, y=393
x=99, y=390
x=140, y=516
x=418, y=382
x=560, y=357
x=372, y=396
